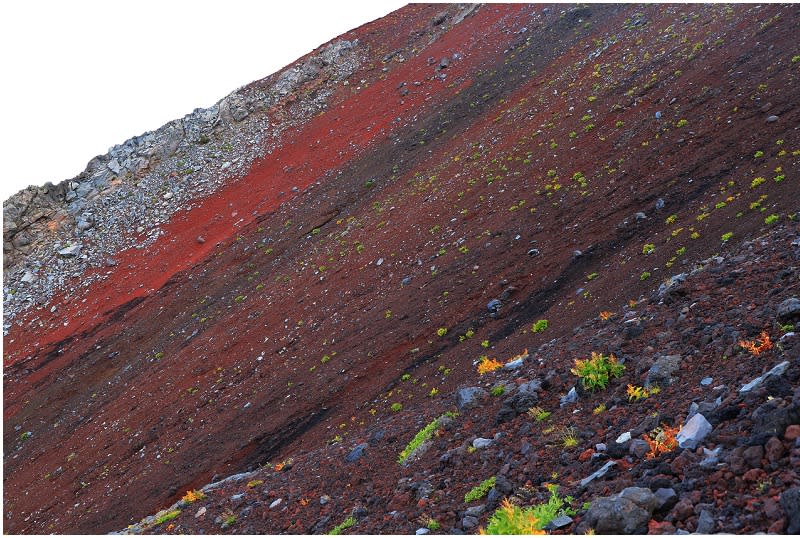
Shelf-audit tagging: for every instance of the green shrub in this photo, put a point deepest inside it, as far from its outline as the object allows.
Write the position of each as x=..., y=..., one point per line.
x=540, y=326
x=480, y=491
x=595, y=372
x=167, y=516
x=346, y=524
x=422, y=436
x=511, y=519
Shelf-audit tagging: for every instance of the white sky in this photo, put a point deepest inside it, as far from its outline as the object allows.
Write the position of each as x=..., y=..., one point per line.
x=80, y=76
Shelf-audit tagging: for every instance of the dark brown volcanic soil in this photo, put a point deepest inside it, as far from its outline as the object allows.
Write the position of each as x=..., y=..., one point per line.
x=421, y=193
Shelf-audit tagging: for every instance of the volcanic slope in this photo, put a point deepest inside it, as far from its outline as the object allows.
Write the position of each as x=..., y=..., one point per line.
x=482, y=169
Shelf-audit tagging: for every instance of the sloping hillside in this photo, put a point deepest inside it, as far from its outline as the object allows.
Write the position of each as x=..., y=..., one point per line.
x=319, y=262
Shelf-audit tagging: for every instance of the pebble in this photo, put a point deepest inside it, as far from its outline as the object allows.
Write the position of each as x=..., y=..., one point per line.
x=624, y=438
x=706, y=381
x=792, y=432
x=570, y=397
x=694, y=431
x=772, y=119
x=475, y=511
x=421, y=531
x=469, y=522
x=275, y=503
x=705, y=523
x=598, y=473
x=481, y=442
x=639, y=448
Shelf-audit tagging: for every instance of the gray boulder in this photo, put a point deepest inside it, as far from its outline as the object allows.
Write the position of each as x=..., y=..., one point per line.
x=356, y=453
x=625, y=513
x=694, y=431
x=790, y=502
x=777, y=371
x=470, y=397
x=660, y=374
x=789, y=310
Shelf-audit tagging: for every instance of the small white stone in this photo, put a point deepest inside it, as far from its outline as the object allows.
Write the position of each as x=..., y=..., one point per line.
x=624, y=438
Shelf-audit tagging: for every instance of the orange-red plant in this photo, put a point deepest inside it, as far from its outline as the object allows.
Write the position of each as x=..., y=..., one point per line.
x=755, y=348
x=489, y=365
x=194, y=495
x=662, y=440
x=605, y=315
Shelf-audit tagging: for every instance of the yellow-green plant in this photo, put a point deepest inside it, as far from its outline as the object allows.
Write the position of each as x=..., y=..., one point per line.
x=422, y=436
x=540, y=326
x=539, y=414
x=167, y=516
x=346, y=524
x=511, y=519
x=596, y=371
x=480, y=491
x=569, y=437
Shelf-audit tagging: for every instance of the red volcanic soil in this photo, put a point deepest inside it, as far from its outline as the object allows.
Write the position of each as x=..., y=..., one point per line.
x=350, y=270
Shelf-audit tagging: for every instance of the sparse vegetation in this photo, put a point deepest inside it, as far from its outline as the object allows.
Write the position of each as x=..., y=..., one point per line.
x=539, y=326
x=193, y=495
x=511, y=519
x=499, y=390
x=662, y=440
x=421, y=437
x=346, y=524
x=755, y=347
x=166, y=516
x=539, y=414
x=596, y=371
x=487, y=365
x=480, y=491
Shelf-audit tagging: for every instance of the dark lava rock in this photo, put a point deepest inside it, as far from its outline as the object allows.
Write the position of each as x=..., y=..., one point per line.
x=617, y=450
x=705, y=523
x=559, y=522
x=625, y=513
x=356, y=453
x=517, y=404
x=503, y=485
x=494, y=307
x=666, y=498
x=660, y=373
x=469, y=522
x=639, y=448
x=789, y=310
x=769, y=422
x=790, y=501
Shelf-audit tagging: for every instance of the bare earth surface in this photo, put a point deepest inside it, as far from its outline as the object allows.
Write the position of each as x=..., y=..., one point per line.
x=480, y=171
